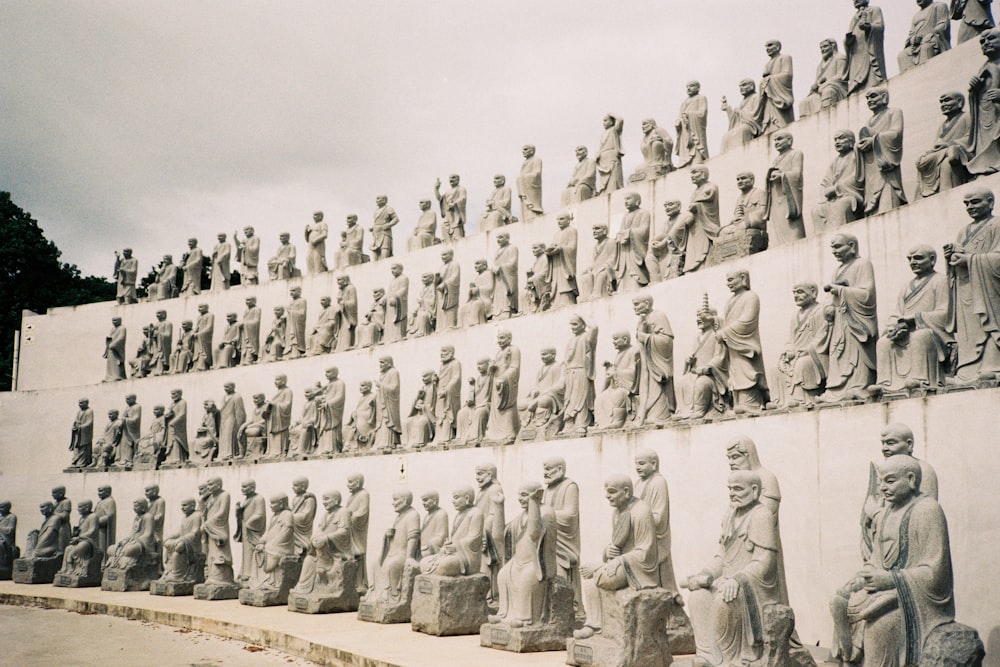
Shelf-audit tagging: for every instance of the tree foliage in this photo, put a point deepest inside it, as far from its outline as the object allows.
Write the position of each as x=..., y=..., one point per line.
x=33, y=278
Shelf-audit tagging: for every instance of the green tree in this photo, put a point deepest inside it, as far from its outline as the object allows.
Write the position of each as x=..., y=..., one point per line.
x=33, y=278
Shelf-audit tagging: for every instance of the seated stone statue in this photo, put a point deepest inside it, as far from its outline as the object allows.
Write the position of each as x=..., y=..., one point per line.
x=9, y=551
x=657, y=151
x=276, y=566
x=600, y=278
x=473, y=311
x=252, y=435
x=135, y=561
x=831, y=80
x=184, y=560
x=541, y=411
x=151, y=444
x=746, y=233
x=360, y=430
x=943, y=166
x=929, y=36
x=423, y=319
x=664, y=260
x=843, y=186
x=743, y=125
x=282, y=265
x=616, y=404
x=418, y=427
x=434, y=529
x=329, y=570
x=703, y=388
x=83, y=557
x=43, y=552
x=538, y=283
x=696, y=230
x=802, y=366
x=400, y=551
x=462, y=553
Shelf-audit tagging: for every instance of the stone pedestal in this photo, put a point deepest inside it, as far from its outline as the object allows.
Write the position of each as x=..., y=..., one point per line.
x=37, y=570
x=375, y=610
x=214, y=590
x=181, y=586
x=449, y=605
x=136, y=577
x=88, y=579
x=634, y=631
x=340, y=594
x=549, y=634
x=952, y=645
x=736, y=241
x=288, y=575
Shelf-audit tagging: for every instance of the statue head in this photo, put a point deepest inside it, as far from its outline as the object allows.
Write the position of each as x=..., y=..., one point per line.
x=424, y=204
x=699, y=175
x=618, y=490
x=897, y=438
x=187, y=325
x=248, y=231
x=480, y=265
x=503, y=239
x=385, y=363
x=324, y=301
x=259, y=399
x=646, y=463
x=463, y=498
x=548, y=355
x=577, y=325
x=706, y=318
x=402, y=499
x=355, y=482
x=858, y=4
x=167, y=260
x=453, y=180
x=331, y=373
x=504, y=338
x=537, y=249
x=300, y=485
x=527, y=151
x=979, y=204
x=428, y=377
x=600, y=232
x=283, y=237
x=632, y=200
x=158, y=410
x=804, y=294
x=877, y=98
x=85, y=507
x=782, y=141
x=744, y=488
x=498, y=182
x=103, y=491
x=642, y=304
x=482, y=365
x=648, y=125
x=693, y=88
x=317, y=216
x=250, y=301
x=609, y=121
x=352, y=220
x=989, y=43
x=921, y=259
x=845, y=247
x=621, y=340
x=279, y=312
x=738, y=281
x=745, y=181
x=843, y=141
x=952, y=103
x=58, y=492
x=486, y=474
x=378, y=294
x=365, y=387
x=112, y=415
x=381, y=200
x=747, y=87
x=899, y=479
x=447, y=256
x=331, y=500
x=563, y=219
x=280, y=381
x=152, y=491
x=47, y=508
x=554, y=470
x=581, y=153
x=525, y=492
x=140, y=506
x=427, y=278
x=430, y=500
x=248, y=487
x=188, y=506
x=278, y=503
x=116, y=321
x=192, y=243
x=4, y=507
x=447, y=353
x=742, y=454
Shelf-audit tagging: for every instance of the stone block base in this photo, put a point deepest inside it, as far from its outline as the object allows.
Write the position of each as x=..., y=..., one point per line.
x=952, y=645
x=65, y=580
x=37, y=570
x=634, y=631
x=680, y=633
x=135, y=578
x=736, y=241
x=549, y=634
x=171, y=588
x=339, y=594
x=374, y=610
x=449, y=605
x=288, y=574
x=216, y=591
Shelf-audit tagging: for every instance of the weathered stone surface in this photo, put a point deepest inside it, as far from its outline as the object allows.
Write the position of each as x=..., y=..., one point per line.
x=680, y=634
x=36, y=570
x=391, y=611
x=133, y=578
x=634, y=632
x=550, y=635
x=952, y=645
x=736, y=241
x=449, y=605
x=89, y=580
x=171, y=588
x=216, y=591
x=291, y=568
x=340, y=595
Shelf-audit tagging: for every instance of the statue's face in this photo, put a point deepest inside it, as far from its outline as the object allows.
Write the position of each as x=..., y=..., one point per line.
x=738, y=459
x=83, y=403
x=84, y=507
x=950, y=103
x=447, y=256
x=503, y=339
x=503, y=240
x=699, y=176
x=897, y=486
x=447, y=353
x=158, y=411
x=249, y=231
x=647, y=126
x=354, y=483
x=379, y=294
x=600, y=232
x=581, y=153
x=742, y=494
x=773, y=48
x=644, y=466
x=803, y=297
x=702, y=321
x=744, y=182
x=548, y=356
x=577, y=326
x=259, y=400
x=693, y=88
x=139, y=507
x=537, y=249
x=400, y=502
x=858, y=4
x=480, y=265
x=620, y=341
x=295, y=292
x=843, y=143
x=461, y=501
x=641, y=307
x=734, y=281
x=553, y=473
x=522, y=498
x=330, y=502
x=192, y=243
x=325, y=302
x=482, y=366
x=251, y=302
x=331, y=373
x=746, y=88
x=978, y=205
x=989, y=42
x=318, y=216
x=152, y=493
x=895, y=443
x=563, y=220
x=427, y=377
x=499, y=181
x=632, y=201
x=117, y=321
x=103, y=492
x=483, y=478
x=826, y=49
x=424, y=204
x=381, y=201
x=608, y=122
x=617, y=496
x=277, y=505
x=248, y=488
x=283, y=238
x=366, y=387
x=920, y=261
x=278, y=312
x=187, y=507
x=453, y=180
x=280, y=381
x=47, y=509
x=528, y=151
x=842, y=249
x=430, y=503
x=782, y=142
x=384, y=364
x=876, y=99
x=299, y=486
x=352, y=220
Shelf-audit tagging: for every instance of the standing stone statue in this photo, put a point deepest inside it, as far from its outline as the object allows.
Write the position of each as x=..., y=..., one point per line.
x=114, y=351
x=843, y=186
x=248, y=255
x=358, y=503
x=448, y=281
x=250, y=333
x=222, y=255
x=452, y=205
x=802, y=366
x=165, y=286
x=538, y=282
x=583, y=183
x=632, y=242
x=929, y=36
x=664, y=260
x=490, y=502
x=157, y=511
x=743, y=125
x=276, y=565
x=881, y=144
x=227, y=354
x=176, y=447
x=618, y=401
x=485, y=283
x=418, y=427
x=542, y=408
x=609, y=156
x=347, y=317
x=914, y=350
x=655, y=340
x=83, y=556
x=274, y=342
x=422, y=321
x=252, y=436
x=385, y=220
x=504, y=375
x=498, y=205
x=162, y=346
x=976, y=17
x=131, y=430
x=600, y=279
x=282, y=265
x=562, y=262
x=81, y=441
x=397, y=304
x=388, y=424
x=425, y=233
x=295, y=332
x=449, y=395
x=704, y=385
x=135, y=561
x=126, y=271
x=831, y=80
x=740, y=335
x=505, y=293
x=784, y=193
x=232, y=416
x=983, y=87
x=180, y=358
x=316, y=234
x=183, y=558
x=106, y=511
x=864, y=47
x=694, y=231
x=141, y=363
x=657, y=152
x=192, y=264
x=943, y=166
x=691, y=126
x=400, y=554
x=529, y=185
x=204, y=329
x=251, y=518
x=109, y=444
x=331, y=413
x=579, y=371
x=563, y=496
x=360, y=431
x=43, y=553
x=777, y=99
x=303, y=507
x=9, y=551
x=328, y=581
x=278, y=417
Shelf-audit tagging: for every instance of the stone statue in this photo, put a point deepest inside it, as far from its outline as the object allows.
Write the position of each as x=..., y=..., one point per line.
x=601, y=278
x=303, y=508
x=802, y=366
x=490, y=502
x=83, y=557
x=251, y=519
x=388, y=424
x=250, y=333
x=498, y=205
x=473, y=312
x=418, y=427
x=425, y=233
x=109, y=444
x=434, y=529
x=278, y=417
x=131, y=431
x=609, y=156
x=749, y=215
x=162, y=337
x=529, y=184
x=655, y=340
x=358, y=503
x=983, y=87
x=248, y=255
x=192, y=264
x=538, y=281
x=881, y=144
x=150, y=448
x=295, y=329
x=165, y=286
x=385, y=220
x=914, y=350
x=220, y=582
x=485, y=283
x=331, y=413
x=562, y=262
x=324, y=331
x=360, y=430
x=505, y=293
x=583, y=183
x=449, y=395
x=184, y=560
x=651, y=488
x=175, y=449
x=562, y=495
x=448, y=280
x=135, y=561
x=632, y=243
x=943, y=166
x=63, y=509
x=784, y=193
x=275, y=559
x=863, y=45
x=462, y=553
x=831, y=80
x=617, y=403
x=504, y=374
x=854, y=328
x=976, y=17
x=81, y=441
x=346, y=319
x=252, y=436
x=141, y=363
x=126, y=270
x=227, y=354
x=474, y=417
x=180, y=358
x=975, y=290
x=657, y=152
x=579, y=371
x=704, y=385
x=777, y=99
x=423, y=320
x=304, y=434
x=9, y=551
x=282, y=265
x=400, y=546
x=740, y=335
x=695, y=230
x=43, y=554
x=542, y=408
x=157, y=511
x=452, y=205
x=106, y=513
x=204, y=329
x=397, y=304
x=843, y=186
x=329, y=570
x=691, y=126
x=316, y=234
x=929, y=36
x=114, y=351
x=743, y=125
x=222, y=255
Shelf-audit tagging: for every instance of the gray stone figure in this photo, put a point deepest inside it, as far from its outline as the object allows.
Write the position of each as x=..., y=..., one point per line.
x=777, y=99
x=192, y=262
x=303, y=507
x=222, y=255
x=9, y=551
x=452, y=205
x=863, y=45
x=664, y=260
x=329, y=571
x=740, y=335
x=657, y=152
x=397, y=305
x=600, y=279
x=295, y=329
x=114, y=351
x=183, y=353
x=135, y=561
x=175, y=450
x=278, y=417
x=183, y=558
x=504, y=376
x=250, y=333
x=617, y=402
x=914, y=350
x=384, y=220
x=929, y=36
x=983, y=92
x=316, y=234
x=347, y=316
x=151, y=445
x=743, y=125
x=324, y=332
x=204, y=329
x=843, y=186
x=651, y=488
x=141, y=363
x=704, y=385
x=388, y=423
x=462, y=552
x=422, y=321
x=562, y=262
x=108, y=446
x=474, y=417
x=165, y=286
x=418, y=427
x=655, y=340
x=251, y=520
x=563, y=496
x=434, y=529
x=331, y=415
x=583, y=183
x=854, y=328
x=691, y=126
x=632, y=243
x=248, y=255
x=126, y=271
x=106, y=514
x=579, y=371
x=400, y=548
x=485, y=283
x=252, y=436
x=157, y=511
x=81, y=441
x=43, y=553
x=505, y=292
x=498, y=206
x=360, y=431
x=304, y=433
x=276, y=565
x=881, y=144
x=358, y=503
x=63, y=509
x=943, y=166
x=695, y=230
x=975, y=290
x=802, y=365
x=425, y=233
x=541, y=411
x=490, y=502
x=976, y=17
x=162, y=346
x=538, y=282
x=83, y=556
x=227, y=354
x=448, y=281
x=529, y=184
x=784, y=193
x=282, y=265
x=449, y=395
x=831, y=80
x=609, y=156
x=749, y=224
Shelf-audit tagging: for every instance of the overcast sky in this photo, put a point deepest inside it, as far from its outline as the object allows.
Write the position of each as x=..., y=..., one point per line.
x=143, y=123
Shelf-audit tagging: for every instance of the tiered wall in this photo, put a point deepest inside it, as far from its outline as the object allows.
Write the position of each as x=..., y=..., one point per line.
x=821, y=457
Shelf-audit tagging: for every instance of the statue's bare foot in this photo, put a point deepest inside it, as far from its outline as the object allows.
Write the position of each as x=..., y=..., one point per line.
x=586, y=632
